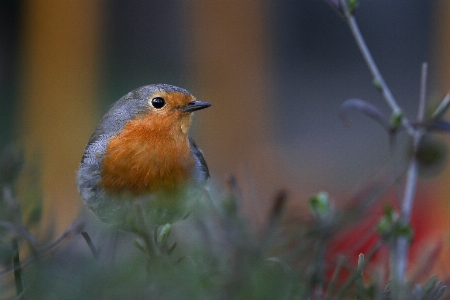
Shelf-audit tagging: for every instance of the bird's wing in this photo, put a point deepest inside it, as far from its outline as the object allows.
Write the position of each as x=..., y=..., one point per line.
x=200, y=163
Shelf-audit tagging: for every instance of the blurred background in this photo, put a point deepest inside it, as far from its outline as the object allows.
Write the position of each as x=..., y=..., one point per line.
x=276, y=73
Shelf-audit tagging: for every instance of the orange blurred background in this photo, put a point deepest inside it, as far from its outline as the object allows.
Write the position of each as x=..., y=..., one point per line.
x=276, y=73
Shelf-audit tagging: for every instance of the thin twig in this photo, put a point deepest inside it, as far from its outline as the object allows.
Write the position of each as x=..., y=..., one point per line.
x=17, y=267
x=400, y=247
x=21, y=296
x=423, y=93
x=410, y=188
x=334, y=277
x=390, y=100
x=72, y=231
x=360, y=278
x=442, y=108
x=20, y=231
x=89, y=242
x=274, y=218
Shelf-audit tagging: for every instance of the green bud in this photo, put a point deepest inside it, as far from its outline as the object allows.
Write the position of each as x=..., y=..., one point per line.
x=390, y=213
x=163, y=235
x=353, y=5
x=396, y=120
x=405, y=231
x=386, y=225
x=359, y=279
x=360, y=261
x=376, y=83
x=319, y=205
x=389, y=225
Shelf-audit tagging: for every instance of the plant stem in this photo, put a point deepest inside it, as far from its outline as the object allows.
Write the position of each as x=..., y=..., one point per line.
x=386, y=92
x=71, y=232
x=371, y=64
x=17, y=268
x=410, y=186
x=423, y=93
x=360, y=278
x=356, y=274
x=400, y=245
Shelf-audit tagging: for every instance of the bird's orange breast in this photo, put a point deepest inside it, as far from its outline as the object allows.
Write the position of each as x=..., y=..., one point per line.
x=146, y=156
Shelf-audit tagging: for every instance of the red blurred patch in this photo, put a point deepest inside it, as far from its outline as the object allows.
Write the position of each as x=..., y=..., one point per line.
x=429, y=223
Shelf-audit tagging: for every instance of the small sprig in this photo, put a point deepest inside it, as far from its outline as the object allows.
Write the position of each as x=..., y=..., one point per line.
x=416, y=130
x=390, y=228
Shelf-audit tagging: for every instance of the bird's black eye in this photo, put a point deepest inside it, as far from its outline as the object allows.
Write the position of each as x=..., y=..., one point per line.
x=158, y=102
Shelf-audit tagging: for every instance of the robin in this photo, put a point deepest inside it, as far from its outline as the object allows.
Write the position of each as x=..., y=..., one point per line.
x=141, y=156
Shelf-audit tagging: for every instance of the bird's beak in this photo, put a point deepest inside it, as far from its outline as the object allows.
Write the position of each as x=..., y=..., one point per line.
x=195, y=105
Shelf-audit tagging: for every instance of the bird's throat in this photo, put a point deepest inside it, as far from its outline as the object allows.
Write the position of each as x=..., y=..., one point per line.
x=144, y=158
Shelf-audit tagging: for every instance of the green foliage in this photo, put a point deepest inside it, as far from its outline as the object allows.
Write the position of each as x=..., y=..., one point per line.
x=214, y=253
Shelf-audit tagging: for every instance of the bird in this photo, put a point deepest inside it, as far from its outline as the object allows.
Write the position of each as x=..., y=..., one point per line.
x=141, y=156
